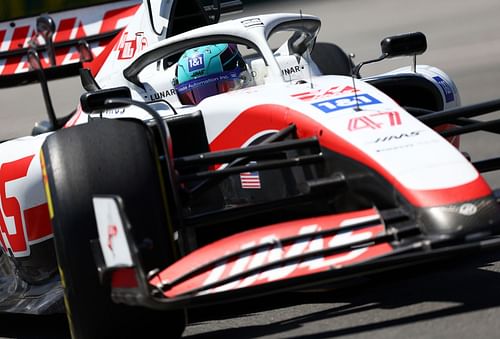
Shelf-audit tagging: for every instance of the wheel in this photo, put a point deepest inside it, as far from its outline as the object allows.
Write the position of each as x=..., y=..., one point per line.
x=106, y=157
x=331, y=59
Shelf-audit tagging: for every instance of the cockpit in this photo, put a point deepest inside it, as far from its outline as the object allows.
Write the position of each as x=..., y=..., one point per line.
x=225, y=57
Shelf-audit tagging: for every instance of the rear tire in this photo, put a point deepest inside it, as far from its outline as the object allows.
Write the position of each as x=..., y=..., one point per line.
x=106, y=157
x=331, y=59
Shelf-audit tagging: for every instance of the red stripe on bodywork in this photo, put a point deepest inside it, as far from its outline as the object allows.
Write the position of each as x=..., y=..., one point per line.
x=473, y=190
x=110, y=22
x=10, y=206
x=2, y=36
x=111, y=18
x=263, y=117
x=95, y=65
x=64, y=31
x=37, y=222
x=18, y=38
x=64, y=34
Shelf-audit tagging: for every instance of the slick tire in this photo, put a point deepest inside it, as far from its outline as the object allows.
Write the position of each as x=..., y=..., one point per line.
x=331, y=59
x=105, y=157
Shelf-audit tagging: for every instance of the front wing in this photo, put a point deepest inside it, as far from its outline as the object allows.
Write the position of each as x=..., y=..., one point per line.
x=286, y=256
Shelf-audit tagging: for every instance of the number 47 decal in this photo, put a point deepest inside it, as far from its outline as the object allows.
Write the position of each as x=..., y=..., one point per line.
x=374, y=121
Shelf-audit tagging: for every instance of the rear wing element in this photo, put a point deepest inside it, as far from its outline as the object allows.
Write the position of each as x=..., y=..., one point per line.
x=64, y=40
x=66, y=34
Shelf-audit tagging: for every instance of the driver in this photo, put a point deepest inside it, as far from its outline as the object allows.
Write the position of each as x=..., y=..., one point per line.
x=209, y=70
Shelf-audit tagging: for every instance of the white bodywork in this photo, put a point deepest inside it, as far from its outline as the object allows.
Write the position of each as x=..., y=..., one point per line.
x=382, y=133
x=415, y=155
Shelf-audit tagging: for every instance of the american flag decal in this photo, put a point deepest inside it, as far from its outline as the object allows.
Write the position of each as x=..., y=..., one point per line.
x=250, y=180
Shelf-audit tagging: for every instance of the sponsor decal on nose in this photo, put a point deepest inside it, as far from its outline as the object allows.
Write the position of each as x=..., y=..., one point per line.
x=337, y=104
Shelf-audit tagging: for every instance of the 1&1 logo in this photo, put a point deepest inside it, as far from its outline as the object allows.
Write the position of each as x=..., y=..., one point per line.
x=196, y=62
x=447, y=89
x=337, y=104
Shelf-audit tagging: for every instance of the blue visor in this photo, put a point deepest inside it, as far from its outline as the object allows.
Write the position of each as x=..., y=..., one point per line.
x=194, y=91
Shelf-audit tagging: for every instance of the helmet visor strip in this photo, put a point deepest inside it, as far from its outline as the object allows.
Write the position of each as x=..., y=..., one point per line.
x=194, y=91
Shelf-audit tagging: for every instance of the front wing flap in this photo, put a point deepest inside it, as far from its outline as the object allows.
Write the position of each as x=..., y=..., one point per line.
x=291, y=255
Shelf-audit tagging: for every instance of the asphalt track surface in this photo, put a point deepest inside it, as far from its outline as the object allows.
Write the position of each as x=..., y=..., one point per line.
x=453, y=299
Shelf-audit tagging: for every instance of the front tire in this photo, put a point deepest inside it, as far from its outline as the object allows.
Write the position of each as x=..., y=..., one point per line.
x=106, y=157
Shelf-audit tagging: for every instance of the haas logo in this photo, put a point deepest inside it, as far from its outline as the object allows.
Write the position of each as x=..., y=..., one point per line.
x=129, y=48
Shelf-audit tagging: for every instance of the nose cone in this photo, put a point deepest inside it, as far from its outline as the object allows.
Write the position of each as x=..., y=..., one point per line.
x=468, y=219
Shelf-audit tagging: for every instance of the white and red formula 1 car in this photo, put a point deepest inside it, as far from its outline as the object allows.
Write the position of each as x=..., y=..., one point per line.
x=151, y=198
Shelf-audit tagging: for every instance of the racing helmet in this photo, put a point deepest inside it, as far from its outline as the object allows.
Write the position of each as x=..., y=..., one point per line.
x=209, y=70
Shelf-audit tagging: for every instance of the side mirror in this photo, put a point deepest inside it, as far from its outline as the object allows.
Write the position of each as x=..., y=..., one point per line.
x=409, y=44
x=95, y=101
x=404, y=45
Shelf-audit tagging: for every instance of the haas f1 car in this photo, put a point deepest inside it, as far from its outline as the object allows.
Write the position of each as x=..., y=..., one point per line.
x=213, y=160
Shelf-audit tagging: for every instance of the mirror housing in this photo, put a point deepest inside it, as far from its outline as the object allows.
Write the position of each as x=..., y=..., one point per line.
x=409, y=44
x=92, y=102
